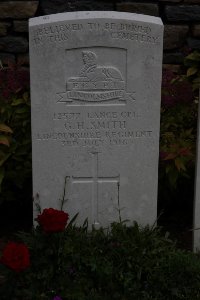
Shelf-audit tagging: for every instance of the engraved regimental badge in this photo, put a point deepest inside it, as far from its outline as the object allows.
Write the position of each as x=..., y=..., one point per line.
x=95, y=84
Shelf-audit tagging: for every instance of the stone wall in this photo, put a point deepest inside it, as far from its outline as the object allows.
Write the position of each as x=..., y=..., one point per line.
x=181, y=19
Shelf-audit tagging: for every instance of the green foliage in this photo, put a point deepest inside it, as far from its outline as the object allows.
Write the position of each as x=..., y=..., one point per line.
x=192, y=62
x=15, y=133
x=177, y=142
x=118, y=263
x=178, y=130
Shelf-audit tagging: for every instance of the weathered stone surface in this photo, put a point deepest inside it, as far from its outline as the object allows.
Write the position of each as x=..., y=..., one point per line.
x=59, y=6
x=139, y=8
x=175, y=36
x=96, y=114
x=193, y=43
x=20, y=26
x=173, y=58
x=13, y=44
x=6, y=58
x=4, y=28
x=23, y=59
x=196, y=30
x=182, y=13
x=18, y=9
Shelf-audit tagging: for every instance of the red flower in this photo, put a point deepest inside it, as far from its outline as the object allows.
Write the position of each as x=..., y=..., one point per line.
x=53, y=220
x=15, y=256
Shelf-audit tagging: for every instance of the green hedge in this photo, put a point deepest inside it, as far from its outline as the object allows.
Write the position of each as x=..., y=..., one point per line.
x=122, y=263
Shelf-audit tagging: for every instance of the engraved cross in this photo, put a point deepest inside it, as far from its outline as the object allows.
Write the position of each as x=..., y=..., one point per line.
x=95, y=179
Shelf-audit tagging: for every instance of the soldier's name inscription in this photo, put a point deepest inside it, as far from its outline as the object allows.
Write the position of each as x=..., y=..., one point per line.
x=95, y=129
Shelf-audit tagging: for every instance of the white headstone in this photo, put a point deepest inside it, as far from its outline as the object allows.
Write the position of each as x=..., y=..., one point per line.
x=95, y=100
x=196, y=233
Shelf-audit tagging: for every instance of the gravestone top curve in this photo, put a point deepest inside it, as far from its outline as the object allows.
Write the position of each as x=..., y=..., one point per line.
x=94, y=14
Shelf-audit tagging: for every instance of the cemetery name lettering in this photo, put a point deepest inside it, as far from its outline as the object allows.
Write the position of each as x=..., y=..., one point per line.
x=65, y=31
